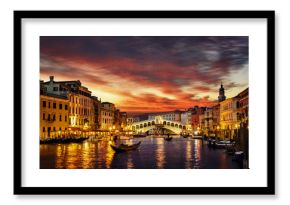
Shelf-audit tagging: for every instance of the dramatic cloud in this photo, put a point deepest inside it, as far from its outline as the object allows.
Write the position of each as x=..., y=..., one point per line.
x=142, y=74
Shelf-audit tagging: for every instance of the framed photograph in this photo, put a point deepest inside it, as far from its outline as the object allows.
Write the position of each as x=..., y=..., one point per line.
x=144, y=102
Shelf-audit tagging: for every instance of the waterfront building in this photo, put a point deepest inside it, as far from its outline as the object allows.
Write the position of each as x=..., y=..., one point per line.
x=186, y=117
x=171, y=116
x=54, y=113
x=208, y=123
x=216, y=119
x=243, y=117
x=81, y=105
x=229, y=121
x=107, y=116
x=131, y=120
x=123, y=120
x=197, y=118
x=97, y=104
x=81, y=110
x=244, y=108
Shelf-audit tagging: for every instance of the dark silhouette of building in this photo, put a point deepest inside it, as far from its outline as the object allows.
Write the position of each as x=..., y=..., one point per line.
x=221, y=96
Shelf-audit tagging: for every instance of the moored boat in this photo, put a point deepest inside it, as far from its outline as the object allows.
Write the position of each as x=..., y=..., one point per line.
x=224, y=144
x=238, y=156
x=125, y=148
x=211, y=142
x=168, y=138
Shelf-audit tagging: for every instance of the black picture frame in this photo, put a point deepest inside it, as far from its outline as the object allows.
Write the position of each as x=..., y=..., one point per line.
x=269, y=189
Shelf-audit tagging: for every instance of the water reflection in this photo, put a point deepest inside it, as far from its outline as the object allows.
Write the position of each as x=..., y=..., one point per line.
x=160, y=153
x=197, y=153
x=130, y=164
x=153, y=153
x=109, y=155
x=188, y=155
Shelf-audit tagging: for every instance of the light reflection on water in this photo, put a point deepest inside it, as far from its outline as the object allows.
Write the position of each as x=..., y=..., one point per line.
x=160, y=153
x=153, y=153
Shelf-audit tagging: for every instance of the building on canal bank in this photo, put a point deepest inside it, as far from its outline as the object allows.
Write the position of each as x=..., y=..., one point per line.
x=81, y=104
x=186, y=117
x=243, y=117
x=229, y=123
x=87, y=115
x=54, y=113
x=171, y=116
x=82, y=115
x=97, y=104
x=120, y=120
x=107, y=116
x=197, y=119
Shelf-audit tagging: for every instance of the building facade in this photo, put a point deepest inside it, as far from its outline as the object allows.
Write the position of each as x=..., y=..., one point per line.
x=229, y=122
x=197, y=118
x=243, y=114
x=54, y=115
x=97, y=104
x=208, y=121
x=171, y=116
x=81, y=104
x=186, y=118
x=131, y=120
x=107, y=116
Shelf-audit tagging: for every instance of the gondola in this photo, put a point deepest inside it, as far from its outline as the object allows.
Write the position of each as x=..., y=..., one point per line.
x=125, y=148
x=168, y=138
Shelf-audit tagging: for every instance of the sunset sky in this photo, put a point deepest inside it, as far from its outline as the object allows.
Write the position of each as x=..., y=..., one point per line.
x=149, y=74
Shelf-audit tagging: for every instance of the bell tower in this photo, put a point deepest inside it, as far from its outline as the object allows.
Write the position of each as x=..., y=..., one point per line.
x=221, y=96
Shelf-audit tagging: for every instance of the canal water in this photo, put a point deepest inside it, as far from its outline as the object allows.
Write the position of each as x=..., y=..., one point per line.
x=153, y=153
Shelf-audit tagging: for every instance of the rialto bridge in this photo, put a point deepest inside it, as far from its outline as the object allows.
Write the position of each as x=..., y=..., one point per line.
x=158, y=123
